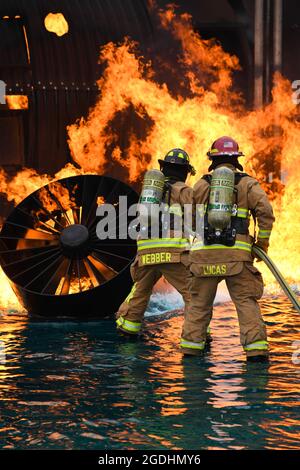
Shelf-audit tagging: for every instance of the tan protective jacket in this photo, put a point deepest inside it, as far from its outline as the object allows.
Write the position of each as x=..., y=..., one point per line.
x=250, y=197
x=181, y=194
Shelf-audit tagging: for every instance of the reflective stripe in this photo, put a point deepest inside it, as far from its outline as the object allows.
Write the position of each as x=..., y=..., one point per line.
x=243, y=213
x=163, y=243
x=190, y=345
x=201, y=210
x=131, y=293
x=264, y=233
x=238, y=246
x=258, y=345
x=129, y=325
x=176, y=210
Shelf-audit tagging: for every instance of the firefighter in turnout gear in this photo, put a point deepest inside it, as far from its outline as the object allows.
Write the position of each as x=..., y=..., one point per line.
x=160, y=256
x=228, y=198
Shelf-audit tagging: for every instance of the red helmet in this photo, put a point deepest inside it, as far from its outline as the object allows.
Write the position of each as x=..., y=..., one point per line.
x=224, y=146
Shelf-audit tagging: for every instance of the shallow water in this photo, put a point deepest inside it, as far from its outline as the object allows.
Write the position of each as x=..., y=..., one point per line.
x=80, y=386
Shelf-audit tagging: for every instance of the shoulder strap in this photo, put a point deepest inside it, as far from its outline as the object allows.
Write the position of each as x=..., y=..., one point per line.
x=238, y=177
x=207, y=178
x=166, y=198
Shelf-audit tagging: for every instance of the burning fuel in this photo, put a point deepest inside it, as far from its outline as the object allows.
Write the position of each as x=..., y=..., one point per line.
x=209, y=107
x=17, y=101
x=204, y=106
x=56, y=23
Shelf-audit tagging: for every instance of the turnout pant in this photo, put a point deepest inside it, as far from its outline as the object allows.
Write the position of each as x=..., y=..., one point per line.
x=131, y=312
x=245, y=289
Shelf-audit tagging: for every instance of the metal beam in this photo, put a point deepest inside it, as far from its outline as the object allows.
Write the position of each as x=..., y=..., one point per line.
x=258, y=53
x=277, y=36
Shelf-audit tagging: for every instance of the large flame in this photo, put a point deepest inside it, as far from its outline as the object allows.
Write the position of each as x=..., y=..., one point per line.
x=207, y=109
x=28, y=180
x=203, y=107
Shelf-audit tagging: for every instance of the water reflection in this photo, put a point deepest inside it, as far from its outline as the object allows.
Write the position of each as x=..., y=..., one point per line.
x=79, y=385
x=11, y=341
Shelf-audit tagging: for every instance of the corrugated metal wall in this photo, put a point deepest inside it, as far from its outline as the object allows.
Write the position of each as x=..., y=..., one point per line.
x=60, y=79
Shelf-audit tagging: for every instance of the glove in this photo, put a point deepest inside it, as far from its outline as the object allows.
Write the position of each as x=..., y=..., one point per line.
x=264, y=245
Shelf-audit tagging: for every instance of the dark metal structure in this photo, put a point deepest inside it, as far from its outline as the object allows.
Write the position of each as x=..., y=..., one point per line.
x=50, y=251
x=57, y=73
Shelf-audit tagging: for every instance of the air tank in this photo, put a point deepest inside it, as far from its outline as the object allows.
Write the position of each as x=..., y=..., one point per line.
x=150, y=199
x=153, y=187
x=221, y=198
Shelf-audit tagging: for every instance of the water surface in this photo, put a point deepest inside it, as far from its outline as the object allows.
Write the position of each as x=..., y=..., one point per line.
x=78, y=385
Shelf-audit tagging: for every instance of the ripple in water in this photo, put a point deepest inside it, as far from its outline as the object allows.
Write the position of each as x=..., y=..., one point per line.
x=80, y=386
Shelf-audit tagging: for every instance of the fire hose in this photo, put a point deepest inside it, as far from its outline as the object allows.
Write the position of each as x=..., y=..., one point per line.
x=278, y=276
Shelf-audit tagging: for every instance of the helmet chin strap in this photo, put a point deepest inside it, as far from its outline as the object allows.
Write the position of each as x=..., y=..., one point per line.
x=226, y=159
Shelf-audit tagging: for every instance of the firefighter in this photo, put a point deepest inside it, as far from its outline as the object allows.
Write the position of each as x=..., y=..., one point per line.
x=226, y=252
x=159, y=257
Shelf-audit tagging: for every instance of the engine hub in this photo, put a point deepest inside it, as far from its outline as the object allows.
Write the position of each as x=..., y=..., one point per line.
x=74, y=239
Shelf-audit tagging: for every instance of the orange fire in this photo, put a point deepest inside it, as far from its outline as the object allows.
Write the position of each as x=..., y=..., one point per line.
x=210, y=109
x=56, y=197
x=17, y=101
x=206, y=108
x=28, y=180
x=100, y=201
x=8, y=300
x=85, y=284
x=56, y=23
